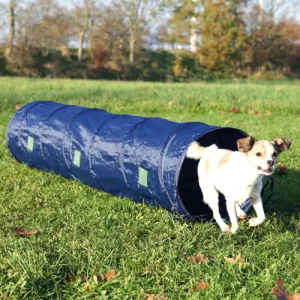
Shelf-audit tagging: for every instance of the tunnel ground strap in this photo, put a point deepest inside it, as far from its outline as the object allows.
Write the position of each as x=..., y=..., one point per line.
x=143, y=177
x=30, y=143
x=76, y=160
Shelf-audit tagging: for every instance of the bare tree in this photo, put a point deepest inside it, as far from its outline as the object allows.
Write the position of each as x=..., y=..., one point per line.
x=43, y=24
x=138, y=15
x=12, y=26
x=83, y=13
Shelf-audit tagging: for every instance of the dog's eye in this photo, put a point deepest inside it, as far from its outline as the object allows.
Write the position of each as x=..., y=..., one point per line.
x=275, y=154
x=258, y=154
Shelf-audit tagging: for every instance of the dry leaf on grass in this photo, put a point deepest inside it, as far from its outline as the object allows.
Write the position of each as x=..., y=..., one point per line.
x=282, y=294
x=18, y=106
x=110, y=274
x=281, y=169
x=251, y=112
x=202, y=285
x=69, y=278
x=24, y=233
x=227, y=121
x=268, y=113
x=154, y=297
x=197, y=259
x=234, y=110
x=235, y=260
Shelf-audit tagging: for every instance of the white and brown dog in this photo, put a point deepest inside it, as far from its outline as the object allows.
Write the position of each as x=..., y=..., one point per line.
x=237, y=175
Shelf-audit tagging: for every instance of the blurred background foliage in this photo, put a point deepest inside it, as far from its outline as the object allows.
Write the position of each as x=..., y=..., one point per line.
x=152, y=40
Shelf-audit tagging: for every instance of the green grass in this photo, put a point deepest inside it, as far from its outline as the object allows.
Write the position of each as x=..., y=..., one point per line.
x=84, y=232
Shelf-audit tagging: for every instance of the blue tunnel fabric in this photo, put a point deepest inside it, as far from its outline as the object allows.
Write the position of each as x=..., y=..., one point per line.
x=127, y=156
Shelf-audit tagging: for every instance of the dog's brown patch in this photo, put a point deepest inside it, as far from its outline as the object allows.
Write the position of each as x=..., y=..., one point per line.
x=224, y=159
x=245, y=144
x=282, y=144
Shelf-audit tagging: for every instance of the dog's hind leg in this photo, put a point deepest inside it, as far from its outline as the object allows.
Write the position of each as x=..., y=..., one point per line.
x=211, y=198
x=232, y=215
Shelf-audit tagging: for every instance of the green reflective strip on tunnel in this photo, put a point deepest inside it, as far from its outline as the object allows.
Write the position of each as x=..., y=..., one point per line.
x=143, y=177
x=30, y=143
x=77, y=155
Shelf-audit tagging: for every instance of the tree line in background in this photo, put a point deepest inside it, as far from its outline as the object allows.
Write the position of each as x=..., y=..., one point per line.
x=158, y=40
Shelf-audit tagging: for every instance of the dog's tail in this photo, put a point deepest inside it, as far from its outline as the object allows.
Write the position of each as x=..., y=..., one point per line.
x=195, y=151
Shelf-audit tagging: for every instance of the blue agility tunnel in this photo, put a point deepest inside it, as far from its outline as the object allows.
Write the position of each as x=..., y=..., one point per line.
x=127, y=156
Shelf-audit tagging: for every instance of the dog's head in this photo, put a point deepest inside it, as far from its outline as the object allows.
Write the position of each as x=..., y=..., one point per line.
x=262, y=154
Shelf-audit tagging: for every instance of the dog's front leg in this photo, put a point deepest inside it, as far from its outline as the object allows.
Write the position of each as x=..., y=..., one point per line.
x=240, y=213
x=259, y=209
x=232, y=216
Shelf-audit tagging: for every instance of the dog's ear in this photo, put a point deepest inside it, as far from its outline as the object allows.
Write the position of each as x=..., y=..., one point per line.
x=245, y=144
x=282, y=144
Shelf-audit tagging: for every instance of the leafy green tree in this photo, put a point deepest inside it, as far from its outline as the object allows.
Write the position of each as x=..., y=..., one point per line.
x=223, y=35
x=183, y=27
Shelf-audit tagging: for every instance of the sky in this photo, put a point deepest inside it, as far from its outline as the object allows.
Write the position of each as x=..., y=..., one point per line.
x=289, y=5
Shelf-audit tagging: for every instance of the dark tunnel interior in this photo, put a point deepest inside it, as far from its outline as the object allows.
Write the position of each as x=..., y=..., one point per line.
x=188, y=186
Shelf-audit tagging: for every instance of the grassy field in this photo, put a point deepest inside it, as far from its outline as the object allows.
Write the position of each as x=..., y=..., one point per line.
x=84, y=233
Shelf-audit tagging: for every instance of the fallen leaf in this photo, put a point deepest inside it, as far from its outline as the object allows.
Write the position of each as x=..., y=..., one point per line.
x=110, y=274
x=251, y=112
x=18, y=106
x=170, y=104
x=69, y=278
x=40, y=203
x=227, y=121
x=146, y=270
x=202, y=285
x=268, y=113
x=197, y=259
x=234, y=110
x=24, y=233
x=235, y=260
x=282, y=294
x=154, y=297
x=281, y=169
x=258, y=114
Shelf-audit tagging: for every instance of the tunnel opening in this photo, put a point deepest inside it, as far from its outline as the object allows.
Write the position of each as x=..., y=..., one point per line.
x=188, y=187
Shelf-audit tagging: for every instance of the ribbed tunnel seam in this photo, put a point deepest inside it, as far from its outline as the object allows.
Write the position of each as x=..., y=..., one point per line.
x=42, y=136
x=121, y=162
x=25, y=117
x=93, y=140
x=160, y=167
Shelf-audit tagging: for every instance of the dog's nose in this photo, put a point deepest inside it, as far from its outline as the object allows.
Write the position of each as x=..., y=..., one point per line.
x=270, y=163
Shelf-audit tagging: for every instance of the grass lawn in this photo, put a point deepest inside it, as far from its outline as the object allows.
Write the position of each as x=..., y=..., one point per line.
x=84, y=233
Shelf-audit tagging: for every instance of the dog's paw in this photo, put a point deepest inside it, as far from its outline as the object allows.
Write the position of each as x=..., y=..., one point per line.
x=240, y=213
x=242, y=216
x=255, y=222
x=234, y=229
x=226, y=228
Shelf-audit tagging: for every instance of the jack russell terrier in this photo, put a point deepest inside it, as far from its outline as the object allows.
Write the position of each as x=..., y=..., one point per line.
x=237, y=175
